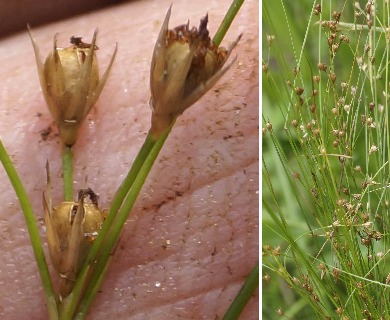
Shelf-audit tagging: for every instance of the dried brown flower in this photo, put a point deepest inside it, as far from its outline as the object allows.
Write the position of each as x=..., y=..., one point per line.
x=71, y=228
x=185, y=65
x=70, y=83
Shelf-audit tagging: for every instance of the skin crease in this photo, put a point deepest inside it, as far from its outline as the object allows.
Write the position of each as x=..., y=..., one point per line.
x=192, y=237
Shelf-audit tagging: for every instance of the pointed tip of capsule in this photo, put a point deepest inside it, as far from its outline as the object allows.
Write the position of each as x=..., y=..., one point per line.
x=31, y=38
x=160, y=43
x=93, y=43
x=231, y=47
x=166, y=20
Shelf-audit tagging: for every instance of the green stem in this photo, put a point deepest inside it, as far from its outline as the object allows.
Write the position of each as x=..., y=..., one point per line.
x=32, y=230
x=129, y=180
x=227, y=21
x=115, y=231
x=243, y=296
x=70, y=304
x=128, y=192
x=251, y=283
x=67, y=169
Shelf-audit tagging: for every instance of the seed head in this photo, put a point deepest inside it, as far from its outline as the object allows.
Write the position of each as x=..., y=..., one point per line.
x=71, y=227
x=70, y=83
x=185, y=65
x=321, y=66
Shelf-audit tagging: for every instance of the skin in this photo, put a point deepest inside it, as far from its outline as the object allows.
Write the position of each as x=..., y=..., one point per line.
x=15, y=14
x=192, y=237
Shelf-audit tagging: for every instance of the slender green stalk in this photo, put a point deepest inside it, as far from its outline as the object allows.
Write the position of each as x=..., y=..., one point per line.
x=125, y=197
x=85, y=305
x=126, y=185
x=67, y=169
x=115, y=231
x=32, y=230
x=243, y=296
x=227, y=21
x=239, y=302
x=121, y=194
x=70, y=304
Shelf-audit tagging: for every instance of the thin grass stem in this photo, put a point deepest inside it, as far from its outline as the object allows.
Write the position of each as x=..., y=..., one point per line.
x=243, y=296
x=117, y=226
x=67, y=169
x=123, y=200
x=227, y=21
x=32, y=230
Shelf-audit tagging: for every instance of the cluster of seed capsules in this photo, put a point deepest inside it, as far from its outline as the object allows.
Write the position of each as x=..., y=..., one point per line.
x=185, y=65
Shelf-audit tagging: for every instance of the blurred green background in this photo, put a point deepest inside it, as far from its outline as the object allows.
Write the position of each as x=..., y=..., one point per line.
x=293, y=26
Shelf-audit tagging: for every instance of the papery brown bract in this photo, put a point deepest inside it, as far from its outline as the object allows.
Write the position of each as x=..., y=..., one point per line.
x=70, y=83
x=185, y=65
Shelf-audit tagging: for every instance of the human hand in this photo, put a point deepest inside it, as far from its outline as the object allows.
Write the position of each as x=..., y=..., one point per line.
x=193, y=235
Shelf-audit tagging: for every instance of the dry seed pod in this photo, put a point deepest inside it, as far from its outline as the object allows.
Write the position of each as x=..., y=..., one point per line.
x=299, y=91
x=71, y=228
x=185, y=65
x=70, y=83
x=317, y=9
x=321, y=66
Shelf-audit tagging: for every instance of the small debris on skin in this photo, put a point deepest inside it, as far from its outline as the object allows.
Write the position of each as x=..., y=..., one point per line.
x=45, y=133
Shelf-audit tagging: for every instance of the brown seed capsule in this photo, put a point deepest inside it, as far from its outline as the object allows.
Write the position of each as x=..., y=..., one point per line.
x=317, y=9
x=366, y=241
x=185, y=65
x=321, y=66
x=280, y=312
x=267, y=278
x=270, y=39
x=336, y=15
x=332, y=26
x=333, y=77
x=70, y=83
x=299, y=90
x=296, y=175
x=265, y=68
x=71, y=227
x=336, y=272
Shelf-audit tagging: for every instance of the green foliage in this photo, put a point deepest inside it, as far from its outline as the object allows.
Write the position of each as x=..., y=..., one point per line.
x=325, y=160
